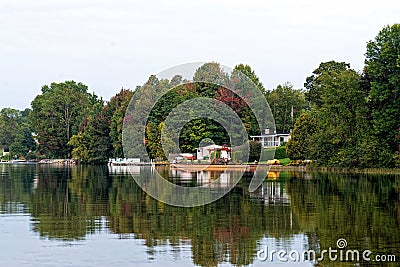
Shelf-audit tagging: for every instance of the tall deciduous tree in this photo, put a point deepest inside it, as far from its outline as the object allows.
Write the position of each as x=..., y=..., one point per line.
x=339, y=105
x=313, y=84
x=100, y=133
x=91, y=144
x=246, y=70
x=57, y=114
x=118, y=105
x=342, y=107
x=382, y=69
x=210, y=73
x=286, y=105
x=16, y=132
x=8, y=127
x=243, y=81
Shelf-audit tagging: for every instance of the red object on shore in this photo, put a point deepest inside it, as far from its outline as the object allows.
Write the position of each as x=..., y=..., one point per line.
x=189, y=157
x=225, y=147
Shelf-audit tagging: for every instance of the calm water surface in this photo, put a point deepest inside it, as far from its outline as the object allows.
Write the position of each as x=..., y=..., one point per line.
x=96, y=216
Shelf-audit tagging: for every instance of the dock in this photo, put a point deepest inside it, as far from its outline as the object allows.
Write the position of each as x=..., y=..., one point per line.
x=235, y=167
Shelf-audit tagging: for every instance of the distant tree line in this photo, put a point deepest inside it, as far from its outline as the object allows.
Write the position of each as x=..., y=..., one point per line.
x=16, y=133
x=342, y=117
x=66, y=121
x=70, y=122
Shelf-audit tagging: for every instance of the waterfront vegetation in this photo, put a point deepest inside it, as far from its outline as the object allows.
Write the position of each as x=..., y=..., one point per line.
x=342, y=118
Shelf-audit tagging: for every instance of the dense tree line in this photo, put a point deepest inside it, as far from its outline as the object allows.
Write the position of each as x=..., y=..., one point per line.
x=341, y=118
x=198, y=129
x=68, y=121
x=65, y=121
x=353, y=118
x=100, y=135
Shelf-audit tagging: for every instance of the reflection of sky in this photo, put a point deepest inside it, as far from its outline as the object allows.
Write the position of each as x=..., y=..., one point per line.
x=21, y=246
x=297, y=242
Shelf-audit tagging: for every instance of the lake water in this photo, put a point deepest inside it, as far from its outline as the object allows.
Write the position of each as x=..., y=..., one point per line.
x=96, y=216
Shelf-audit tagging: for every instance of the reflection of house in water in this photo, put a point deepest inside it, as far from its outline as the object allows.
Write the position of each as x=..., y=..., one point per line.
x=124, y=169
x=181, y=176
x=272, y=193
x=214, y=179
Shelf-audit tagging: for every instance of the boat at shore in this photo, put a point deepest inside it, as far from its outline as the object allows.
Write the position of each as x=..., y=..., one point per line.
x=127, y=162
x=17, y=161
x=58, y=161
x=134, y=162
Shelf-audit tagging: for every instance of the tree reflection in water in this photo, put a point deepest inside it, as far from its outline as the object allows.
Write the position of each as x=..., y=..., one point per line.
x=72, y=203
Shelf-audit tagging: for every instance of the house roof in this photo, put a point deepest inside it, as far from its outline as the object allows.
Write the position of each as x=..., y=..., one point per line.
x=211, y=147
x=272, y=134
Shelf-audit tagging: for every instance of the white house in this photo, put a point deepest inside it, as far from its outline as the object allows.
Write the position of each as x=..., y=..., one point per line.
x=206, y=151
x=3, y=153
x=269, y=139
x=224, y=152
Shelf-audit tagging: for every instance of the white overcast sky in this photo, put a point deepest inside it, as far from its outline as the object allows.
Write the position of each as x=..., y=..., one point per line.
x=112, y=44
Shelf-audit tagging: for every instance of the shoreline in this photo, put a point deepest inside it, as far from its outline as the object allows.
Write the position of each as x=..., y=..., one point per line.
x=355, y=170
x=277, y=168
x=245, y=167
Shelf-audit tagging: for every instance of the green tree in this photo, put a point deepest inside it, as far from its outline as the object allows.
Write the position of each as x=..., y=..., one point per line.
x=100, y=133
x=249, y=72
x=286, y=104
x=382, y=70
x=255, y=150
x=243, y=80
x=343, y=103
x=300, y=142
x=118, y=105
x=199, y=129
x=397, y=154
x=16, y=132
x=27, y=130
x=57, y=114
x=210, y=73
x=339, y=105
x=9, y=127
x=80, y=149
x=17, y=150
x=92, y=143
x=313, y=84
x=153, y=140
